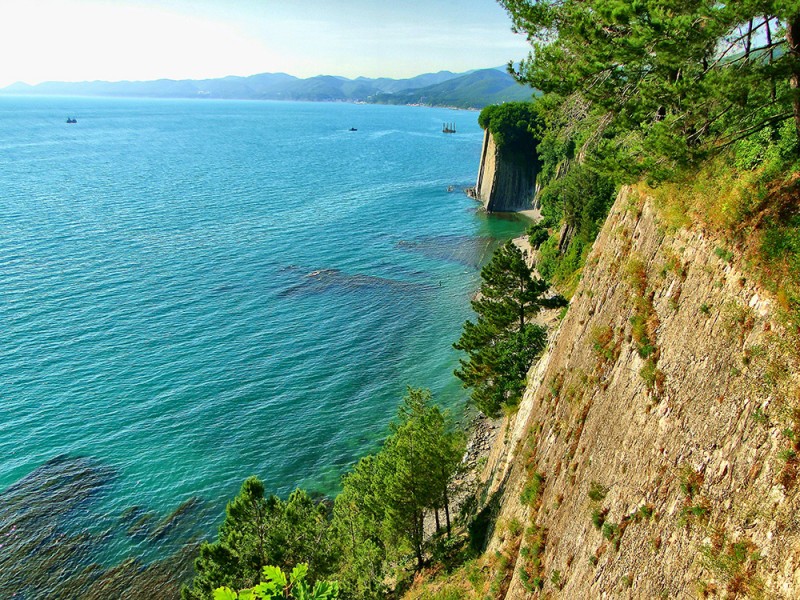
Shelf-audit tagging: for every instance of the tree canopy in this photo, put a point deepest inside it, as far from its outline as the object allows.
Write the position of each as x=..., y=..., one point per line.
x=259, y=531
x=663, y=82
x=513, y=126
x=381, y=511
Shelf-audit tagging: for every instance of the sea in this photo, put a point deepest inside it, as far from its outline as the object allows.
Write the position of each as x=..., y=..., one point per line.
x=195, y=291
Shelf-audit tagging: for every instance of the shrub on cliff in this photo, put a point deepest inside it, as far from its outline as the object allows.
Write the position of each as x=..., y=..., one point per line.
x=502, y=343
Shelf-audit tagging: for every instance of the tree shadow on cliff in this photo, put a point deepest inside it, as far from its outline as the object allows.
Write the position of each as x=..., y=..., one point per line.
x=481, y=515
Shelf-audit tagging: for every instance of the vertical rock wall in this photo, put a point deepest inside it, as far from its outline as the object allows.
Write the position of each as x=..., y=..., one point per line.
x=505, y=185
x=660, y=428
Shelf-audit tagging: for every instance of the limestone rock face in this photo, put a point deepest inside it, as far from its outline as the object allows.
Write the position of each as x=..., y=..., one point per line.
x=670, y=390
x=505, y=185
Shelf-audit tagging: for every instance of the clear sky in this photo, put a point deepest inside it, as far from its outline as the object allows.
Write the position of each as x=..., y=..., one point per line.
x=80, y=40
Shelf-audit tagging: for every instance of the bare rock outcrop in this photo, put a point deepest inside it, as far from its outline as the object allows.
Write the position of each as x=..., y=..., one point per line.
x=505, y=185
x=661, y=429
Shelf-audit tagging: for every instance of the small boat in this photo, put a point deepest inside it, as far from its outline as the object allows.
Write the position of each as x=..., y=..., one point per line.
x=72, y=120
x=448, y=127
x=353, y=129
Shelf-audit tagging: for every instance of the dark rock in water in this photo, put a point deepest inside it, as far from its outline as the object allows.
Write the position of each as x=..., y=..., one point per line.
x=131, y=579
x=41, y=534
x=50, y=533
x=132, y=513
x=142, y=526
x=179, y=517
x=463, y=250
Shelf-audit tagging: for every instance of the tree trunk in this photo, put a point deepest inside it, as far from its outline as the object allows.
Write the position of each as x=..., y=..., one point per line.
x=447, y=510
x=436, y=516
x=773, y=92
x=419, y=540
x=793, y=41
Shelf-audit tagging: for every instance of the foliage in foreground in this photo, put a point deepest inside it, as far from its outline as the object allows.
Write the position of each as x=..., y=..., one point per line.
x=663, y=83
x=274, y=585
x=259, y=531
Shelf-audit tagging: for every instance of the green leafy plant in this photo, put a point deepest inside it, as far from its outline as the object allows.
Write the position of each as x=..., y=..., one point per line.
x=599, y=518
x=533, y=489
x=275, y=585
x=723, y=254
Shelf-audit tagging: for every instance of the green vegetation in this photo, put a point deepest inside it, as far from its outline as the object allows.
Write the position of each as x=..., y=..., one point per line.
x=659, y=91
x=532, y=553
x=613, y=533
x=502, y=344
x=711, y=114
x=532, y=490
x=513, y=127
x=259, y=531
x=376, y=521
x=735, y=564
x=723, y=254
x=599, y=517
x=275, y=584
x=574, y=207
x=537, y=235
x=695, y=507
x=604, y=345
x=597, y=492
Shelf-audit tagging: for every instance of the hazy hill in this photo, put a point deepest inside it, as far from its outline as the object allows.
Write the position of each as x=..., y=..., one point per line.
x=473, y=89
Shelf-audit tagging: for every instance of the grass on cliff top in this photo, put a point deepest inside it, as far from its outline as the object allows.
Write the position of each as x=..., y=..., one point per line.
x=754, y=205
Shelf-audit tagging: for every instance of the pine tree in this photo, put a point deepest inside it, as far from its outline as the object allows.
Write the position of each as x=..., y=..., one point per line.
x=668, y=81
x=358, y=516
x=260, y=531
x=381, y=511
x=503, y=343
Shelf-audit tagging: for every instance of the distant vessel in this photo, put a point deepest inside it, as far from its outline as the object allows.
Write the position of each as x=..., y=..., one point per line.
x=448, y=128
x=353, y=129
x=72, y=120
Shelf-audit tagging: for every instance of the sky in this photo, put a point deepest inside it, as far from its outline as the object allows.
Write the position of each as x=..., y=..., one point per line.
x=113, y=40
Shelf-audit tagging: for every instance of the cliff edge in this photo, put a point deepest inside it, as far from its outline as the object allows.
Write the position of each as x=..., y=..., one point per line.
x=505, y=185
x=655, y=452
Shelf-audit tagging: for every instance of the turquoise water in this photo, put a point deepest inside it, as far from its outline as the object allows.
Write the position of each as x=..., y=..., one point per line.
x=195, y=291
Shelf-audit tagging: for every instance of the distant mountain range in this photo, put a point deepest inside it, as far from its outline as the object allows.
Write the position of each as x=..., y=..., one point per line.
x=474, y=89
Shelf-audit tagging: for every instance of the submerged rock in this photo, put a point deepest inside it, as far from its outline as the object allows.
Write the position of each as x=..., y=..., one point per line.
x=460, y=249
x=51, y=536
